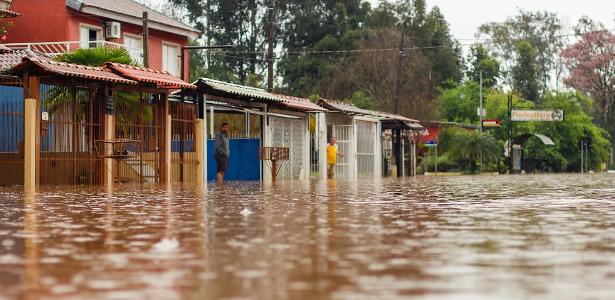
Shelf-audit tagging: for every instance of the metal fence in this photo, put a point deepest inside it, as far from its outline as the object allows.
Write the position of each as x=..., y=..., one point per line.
x=366, y=148
x=344, y=139
x=138, y=117
x=11, y=131
x=70, y=125
x=290, y=133
x=184, y=162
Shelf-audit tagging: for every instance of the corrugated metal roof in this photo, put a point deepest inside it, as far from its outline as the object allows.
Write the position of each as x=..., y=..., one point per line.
x=256, y=94
x=251, y=93
x=134, y=9
x=162, y=79
x=299, y=103
x=349, y=108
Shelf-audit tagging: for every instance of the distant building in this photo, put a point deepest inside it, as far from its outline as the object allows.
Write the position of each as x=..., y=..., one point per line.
x=60, y=26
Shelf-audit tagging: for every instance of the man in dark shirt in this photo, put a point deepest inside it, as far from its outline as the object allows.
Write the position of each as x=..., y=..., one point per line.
x=222, y=151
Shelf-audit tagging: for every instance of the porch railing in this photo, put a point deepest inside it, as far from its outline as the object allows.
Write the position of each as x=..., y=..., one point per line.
x=59, y=48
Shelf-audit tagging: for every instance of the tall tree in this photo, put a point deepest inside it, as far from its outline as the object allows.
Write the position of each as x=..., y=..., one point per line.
x=230, y=22
x=525, y=71
x=591, y=62
x=480, y=61
x=315, y=27
x=539, y=28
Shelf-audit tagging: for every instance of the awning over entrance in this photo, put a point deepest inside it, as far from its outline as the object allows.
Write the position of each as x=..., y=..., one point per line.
x=389, y=120
x=230, y=91
x=520, y=140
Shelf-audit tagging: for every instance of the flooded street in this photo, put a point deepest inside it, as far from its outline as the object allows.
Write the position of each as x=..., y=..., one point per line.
x=543, y=237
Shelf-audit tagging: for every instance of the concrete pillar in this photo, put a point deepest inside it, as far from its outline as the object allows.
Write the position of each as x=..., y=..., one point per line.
x=212, y=134
x=306, y=149
x=34, y=92
x=413, y=157
x=322, y=145
x=378, y=150
x=265, y=142
x=30, y=137
x=199, y=149
x=352, y=152
x=108, y=135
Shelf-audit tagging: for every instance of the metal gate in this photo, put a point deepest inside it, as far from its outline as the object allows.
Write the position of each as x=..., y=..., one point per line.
x=366, y=148
x=11, y=131
x=183, y=156
x=138, y=117
x=70, y=124
x=344, y=138
x=290, y=133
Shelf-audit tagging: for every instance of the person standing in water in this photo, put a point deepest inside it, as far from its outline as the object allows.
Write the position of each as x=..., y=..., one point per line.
x=332, y=155
x=222, y=152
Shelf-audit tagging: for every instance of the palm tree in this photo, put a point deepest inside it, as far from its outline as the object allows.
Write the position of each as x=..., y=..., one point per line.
x=59, y=97
x=96, y=57
x=467, y=146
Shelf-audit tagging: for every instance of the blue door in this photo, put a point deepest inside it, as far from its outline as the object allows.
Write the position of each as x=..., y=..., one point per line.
x=243, y=165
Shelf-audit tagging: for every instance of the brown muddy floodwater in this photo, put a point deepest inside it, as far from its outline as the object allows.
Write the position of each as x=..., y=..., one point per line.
x=521, y=237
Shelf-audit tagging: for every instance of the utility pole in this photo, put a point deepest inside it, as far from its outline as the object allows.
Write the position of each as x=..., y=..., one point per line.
x=510, y=136
x=480, y=115
x=582, y=156
x=207, y=32
x=399, y=160
x=270, y=47
x=145, y=39
x=399, y=71
x=480, y=112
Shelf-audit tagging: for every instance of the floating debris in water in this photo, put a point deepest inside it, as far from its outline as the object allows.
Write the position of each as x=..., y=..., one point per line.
x=246, y=212
x=166, y=246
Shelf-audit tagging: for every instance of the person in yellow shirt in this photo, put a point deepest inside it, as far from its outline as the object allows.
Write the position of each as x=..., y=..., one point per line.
x=332, y=155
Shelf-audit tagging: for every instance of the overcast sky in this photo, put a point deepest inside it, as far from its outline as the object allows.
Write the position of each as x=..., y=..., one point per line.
x=465, y=16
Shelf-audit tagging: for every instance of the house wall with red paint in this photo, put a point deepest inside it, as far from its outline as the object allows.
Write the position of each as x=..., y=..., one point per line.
x=40, y=21
x=53, y=21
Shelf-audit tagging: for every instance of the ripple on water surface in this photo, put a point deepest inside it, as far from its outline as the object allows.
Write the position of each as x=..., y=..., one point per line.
x=547, y=237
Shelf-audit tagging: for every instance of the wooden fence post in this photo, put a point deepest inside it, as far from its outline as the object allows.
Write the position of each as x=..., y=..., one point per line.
x=30, y=137
x=165, y=154
x=199, y=149
x=109, y=134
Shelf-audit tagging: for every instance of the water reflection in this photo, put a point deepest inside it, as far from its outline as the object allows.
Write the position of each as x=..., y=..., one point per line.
x=460, y=237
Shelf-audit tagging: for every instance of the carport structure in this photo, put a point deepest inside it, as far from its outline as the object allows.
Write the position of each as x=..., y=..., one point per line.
x=60, y=112
x=364, y=136
x=257, y=118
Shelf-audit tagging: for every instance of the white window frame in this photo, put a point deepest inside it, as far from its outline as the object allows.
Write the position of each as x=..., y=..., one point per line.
x=99, y=35
x=135, y=54
x=178, y=66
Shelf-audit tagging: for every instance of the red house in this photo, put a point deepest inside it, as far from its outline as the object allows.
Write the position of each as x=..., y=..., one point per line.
x=59, y=26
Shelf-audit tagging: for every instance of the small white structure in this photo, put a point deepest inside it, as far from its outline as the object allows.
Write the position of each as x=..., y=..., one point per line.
x=284, y=122
x=358, y=133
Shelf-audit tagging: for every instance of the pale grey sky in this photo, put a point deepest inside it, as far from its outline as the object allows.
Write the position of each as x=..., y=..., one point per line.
x=465, y=16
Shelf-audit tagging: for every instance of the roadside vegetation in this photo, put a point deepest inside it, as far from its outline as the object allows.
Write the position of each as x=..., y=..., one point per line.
x=349, y=50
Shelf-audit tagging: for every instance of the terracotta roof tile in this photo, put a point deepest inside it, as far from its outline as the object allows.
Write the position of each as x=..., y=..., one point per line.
x=134, y=9
x=72, y=70
x=161, y=79
x=9, y=13
x=10, y=58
